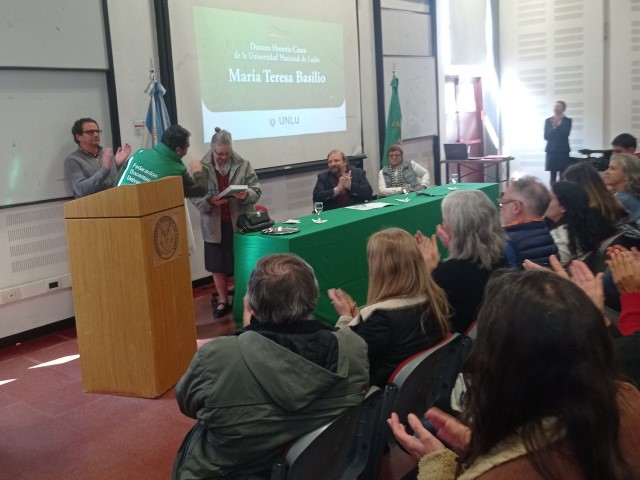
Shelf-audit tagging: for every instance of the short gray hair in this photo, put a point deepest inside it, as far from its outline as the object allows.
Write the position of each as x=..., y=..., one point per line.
x=221, y=137
x=282, y=288
x=534, y=195
x=476, y=233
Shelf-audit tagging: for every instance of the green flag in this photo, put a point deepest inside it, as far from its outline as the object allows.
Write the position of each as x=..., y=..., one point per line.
x=393, y=134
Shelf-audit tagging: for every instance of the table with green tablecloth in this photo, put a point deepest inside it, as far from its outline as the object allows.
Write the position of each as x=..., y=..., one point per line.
x=337, y=249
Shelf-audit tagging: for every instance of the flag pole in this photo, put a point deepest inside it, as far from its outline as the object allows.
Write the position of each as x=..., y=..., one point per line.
x=393, y=133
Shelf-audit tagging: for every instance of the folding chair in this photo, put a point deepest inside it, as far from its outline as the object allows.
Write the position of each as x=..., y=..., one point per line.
x=414, y=387
x=338, y=450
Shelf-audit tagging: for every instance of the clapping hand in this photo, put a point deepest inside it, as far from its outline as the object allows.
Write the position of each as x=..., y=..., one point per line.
x=345, y=180
x=122, y=154
x=444, y=234
x=418, y=445
x=343, y=303
x=428, y=247
x=107, y=156
x=625, y=269
x=580, y=275
x=449, y=430
x=195, y=167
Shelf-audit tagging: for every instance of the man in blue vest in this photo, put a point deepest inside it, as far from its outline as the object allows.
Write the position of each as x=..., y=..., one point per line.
x=522, y=210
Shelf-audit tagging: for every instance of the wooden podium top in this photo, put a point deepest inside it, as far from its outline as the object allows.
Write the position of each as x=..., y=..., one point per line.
x=129, y=200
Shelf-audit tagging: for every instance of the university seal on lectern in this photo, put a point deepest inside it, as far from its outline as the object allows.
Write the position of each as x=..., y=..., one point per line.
x=165, y=237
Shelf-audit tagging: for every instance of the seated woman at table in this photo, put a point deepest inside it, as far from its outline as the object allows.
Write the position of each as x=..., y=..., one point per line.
x=406, y=312
x=577, y=229
x=544, y=398
x=399, y=174
x=472, y=234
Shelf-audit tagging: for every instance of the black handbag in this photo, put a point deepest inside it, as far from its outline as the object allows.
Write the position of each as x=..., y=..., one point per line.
x=253, y=221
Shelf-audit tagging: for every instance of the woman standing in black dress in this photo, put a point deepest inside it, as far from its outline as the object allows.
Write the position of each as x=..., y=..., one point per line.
x=556, y=133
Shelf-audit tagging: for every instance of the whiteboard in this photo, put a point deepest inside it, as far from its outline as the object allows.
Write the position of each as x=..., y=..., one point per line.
x=52, y=34
x=38, y=109
x=417, y=93
x=406, y=33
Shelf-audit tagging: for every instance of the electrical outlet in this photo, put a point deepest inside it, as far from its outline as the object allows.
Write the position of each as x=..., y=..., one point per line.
x=10, y=295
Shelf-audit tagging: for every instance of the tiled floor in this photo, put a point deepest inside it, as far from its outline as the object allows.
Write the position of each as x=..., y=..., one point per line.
x=51, y=429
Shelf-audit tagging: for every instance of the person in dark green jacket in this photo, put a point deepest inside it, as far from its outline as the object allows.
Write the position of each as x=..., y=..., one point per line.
x=283, y=375
x=165, y=160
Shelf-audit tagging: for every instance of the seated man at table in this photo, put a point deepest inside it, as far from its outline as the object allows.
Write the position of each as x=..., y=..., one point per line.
x=398, y=174
x=341, y=185
x=283, y=375
x=522, y=209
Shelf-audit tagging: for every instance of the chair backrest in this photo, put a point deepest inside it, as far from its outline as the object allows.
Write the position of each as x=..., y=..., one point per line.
x=338, y=450
x=415, y=386
x=432, y=378
x=596, y=260
x=472, y=331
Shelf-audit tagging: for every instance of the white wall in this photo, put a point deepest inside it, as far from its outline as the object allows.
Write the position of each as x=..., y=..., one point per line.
x=133, y=39
x=134, y=44
x=622, y=70
x=551, y=51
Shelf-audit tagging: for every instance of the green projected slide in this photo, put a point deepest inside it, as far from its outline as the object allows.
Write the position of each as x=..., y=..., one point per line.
x=264, y=76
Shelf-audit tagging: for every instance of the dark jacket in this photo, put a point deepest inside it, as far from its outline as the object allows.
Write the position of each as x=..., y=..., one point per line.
x=557, y=138
x=360, y=188
x=394, y=330
x=529, y=241
x=463, y=281
x=254, y=392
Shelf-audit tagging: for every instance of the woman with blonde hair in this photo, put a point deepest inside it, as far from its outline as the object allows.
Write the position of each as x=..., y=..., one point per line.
x=406, y=312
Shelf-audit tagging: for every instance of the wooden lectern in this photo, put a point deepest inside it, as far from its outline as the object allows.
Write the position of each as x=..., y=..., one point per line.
x=131, y=281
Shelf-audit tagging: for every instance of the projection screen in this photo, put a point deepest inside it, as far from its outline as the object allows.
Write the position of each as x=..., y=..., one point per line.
x=282, y=77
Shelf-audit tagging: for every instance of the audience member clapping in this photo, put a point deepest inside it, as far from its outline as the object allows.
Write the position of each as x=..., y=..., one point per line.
x=472, y=234
x=625, y=271
x=543, y=400
x=626, y=334
x=522, y=209
x=406, y=312
x=577, y=229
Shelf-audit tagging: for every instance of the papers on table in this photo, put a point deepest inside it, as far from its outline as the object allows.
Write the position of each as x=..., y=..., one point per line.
x=292, y=220
x=370, y=206
x=231, y=190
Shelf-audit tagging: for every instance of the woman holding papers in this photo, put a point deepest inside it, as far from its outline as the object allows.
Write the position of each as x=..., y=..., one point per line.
x=219, y=210
x=406, y=312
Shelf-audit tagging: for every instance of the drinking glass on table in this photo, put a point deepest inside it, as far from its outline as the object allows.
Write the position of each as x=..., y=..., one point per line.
x=453, y=180
x=318, y=207
x=406, y=188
